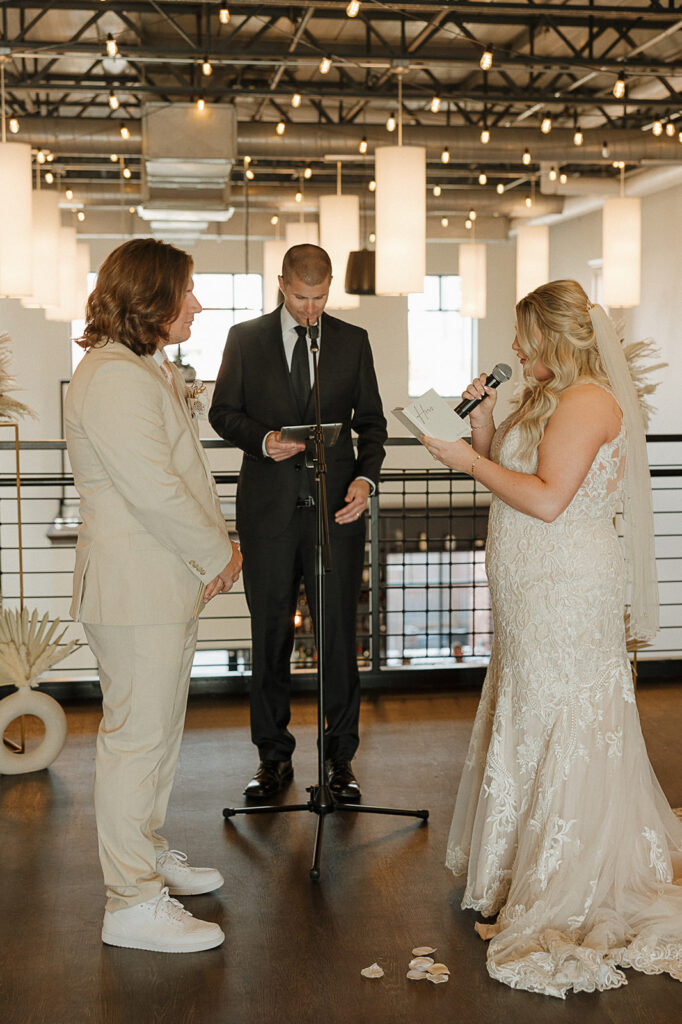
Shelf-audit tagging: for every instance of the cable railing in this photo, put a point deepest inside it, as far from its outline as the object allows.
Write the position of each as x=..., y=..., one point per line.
x=424, y=615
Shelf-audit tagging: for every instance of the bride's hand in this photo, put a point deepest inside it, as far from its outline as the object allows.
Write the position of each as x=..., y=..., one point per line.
x=482, y=415
x=455, y=455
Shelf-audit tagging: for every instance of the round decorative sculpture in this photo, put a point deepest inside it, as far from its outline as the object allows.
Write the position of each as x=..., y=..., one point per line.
x=30, y=702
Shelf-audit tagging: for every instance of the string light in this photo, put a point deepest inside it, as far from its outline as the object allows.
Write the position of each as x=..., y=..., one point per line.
x=224, y=16
x=308, y=173
x=296, y=100
x=444, y=222
x=112, y=46
x=499, y=188
x=619, y=88
x=563, y=178
x=605, y=150
x=127, y=173
x=472, y=215
x=552, y=174
x=483, y=178
x=437, y=190
x=81, y=216
x=125, y=131
x=113, y=157
x=529, y=201
x=670, y=129
x=299, y=197
x=249, y=174
x=274, y=219
x=435, y=104
x=578, y=138
x=372, y=185
x=13, y=125
x=445, y=156
x=201, y=104
x=546, y=125
x=40, y=156
x=49, y=177
x=485, y=136
x=281, y=128
x=525, y=159
x=657, y=128
x=363, y=145
x=247, y=160
x=131, y=209
x=49, y=157
x=391, y=123
x=372, y=238
x=486, y=61
x=353, y=9
x=206, y=67
x=113, y=100
x=69, y=194
x=325, y=65
x=679, y=137
x=468, y=224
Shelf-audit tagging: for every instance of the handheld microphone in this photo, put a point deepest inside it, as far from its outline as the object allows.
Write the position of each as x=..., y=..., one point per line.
x=313, y=334
x=500, y=374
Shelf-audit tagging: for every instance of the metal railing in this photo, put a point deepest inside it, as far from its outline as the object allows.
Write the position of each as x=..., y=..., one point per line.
x=424, y=605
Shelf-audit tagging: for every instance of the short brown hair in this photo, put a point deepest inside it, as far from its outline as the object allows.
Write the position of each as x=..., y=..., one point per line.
x=139, y=293
x=309, y=263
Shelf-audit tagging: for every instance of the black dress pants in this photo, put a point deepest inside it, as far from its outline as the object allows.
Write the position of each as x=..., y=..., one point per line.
x=273, y=569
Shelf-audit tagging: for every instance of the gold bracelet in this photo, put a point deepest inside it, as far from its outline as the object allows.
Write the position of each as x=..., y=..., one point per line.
x=473, y=466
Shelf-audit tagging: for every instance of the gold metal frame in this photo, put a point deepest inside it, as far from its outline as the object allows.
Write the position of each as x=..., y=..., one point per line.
x=20, y=747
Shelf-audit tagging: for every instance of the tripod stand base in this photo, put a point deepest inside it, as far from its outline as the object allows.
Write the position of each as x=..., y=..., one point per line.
x=322, y=803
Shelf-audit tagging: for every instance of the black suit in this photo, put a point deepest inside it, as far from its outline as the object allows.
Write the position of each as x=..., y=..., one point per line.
x=253, y=396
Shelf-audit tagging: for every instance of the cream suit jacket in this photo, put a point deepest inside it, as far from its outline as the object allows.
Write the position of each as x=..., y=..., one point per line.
x=153, y=534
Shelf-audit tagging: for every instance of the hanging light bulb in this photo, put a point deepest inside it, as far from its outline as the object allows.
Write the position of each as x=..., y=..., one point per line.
x=499, y=188
x=435, y=105
x=299, y=197
x=445, y=156
x=131, y=209
x=444, y=222
x=49, y=157
x=112, y=46
x=468, y=224
x=679, y=137
x=224, y=15
x=127, y=173
x=308, y=172
x=485, y=136
x=81, y=216
x=13, y=125
x=125, y=131
x=113, y=100
x=546, y=125
x=201, y=104
x=69, y=194
x=281, y=128
x=529, y=201
x=437, y=190
x=578, y=138
x=552, y=174
x=372, y=185
x=472, y=215
x=249, y=174
x=325, y=65
x=247, y=160
x=670, y=129
x=113, y=157
x=391, y=123
x=563, y=178
x=657, y=128
x=40, y=156
x=49, y=177
x=206, y=67
x=605, y=150
x=363, y=145
x=353, y=9
x=482, y=178
x=274, y=219
x=296, y=100
x=525, y=159
x=619, y=88
x=372, y=238
x=486, y=61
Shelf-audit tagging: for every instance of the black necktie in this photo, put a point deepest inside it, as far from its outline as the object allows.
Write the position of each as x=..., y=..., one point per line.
x=300, y=370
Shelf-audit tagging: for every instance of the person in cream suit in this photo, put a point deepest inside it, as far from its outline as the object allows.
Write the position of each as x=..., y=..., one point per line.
x=152, y=549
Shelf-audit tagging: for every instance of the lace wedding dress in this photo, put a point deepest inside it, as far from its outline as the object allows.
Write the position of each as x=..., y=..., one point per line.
x=560, y=824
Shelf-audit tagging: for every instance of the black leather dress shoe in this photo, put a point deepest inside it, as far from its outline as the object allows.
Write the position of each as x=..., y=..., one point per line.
x=341, y=780
x=269, y=779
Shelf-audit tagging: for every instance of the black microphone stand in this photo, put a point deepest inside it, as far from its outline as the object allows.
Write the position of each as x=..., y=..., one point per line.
x=322, y=801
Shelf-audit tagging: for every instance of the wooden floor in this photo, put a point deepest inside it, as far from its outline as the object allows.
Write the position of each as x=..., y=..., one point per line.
x=294, y=947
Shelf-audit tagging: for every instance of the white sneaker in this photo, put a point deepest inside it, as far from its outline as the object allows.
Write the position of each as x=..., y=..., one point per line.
x=184, y=880
x=160, y=924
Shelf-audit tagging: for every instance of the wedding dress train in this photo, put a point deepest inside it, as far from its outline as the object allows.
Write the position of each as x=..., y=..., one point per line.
x=560, y=824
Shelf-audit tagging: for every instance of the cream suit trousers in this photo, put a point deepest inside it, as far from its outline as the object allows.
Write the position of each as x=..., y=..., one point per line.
x=144, y=675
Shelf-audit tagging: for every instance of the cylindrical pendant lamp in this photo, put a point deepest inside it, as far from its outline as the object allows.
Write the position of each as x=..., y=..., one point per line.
x=532, y=258
x=400, y=219
x=340, y=235
x=66, y=279
x=472, y=271
x=16, y=279
x=301, y=233
x=361, y=272
x=621, y=251
x=45, y=250
x=273, y=254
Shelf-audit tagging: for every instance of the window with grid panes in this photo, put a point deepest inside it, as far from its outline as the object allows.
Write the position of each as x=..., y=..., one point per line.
x=442, y=344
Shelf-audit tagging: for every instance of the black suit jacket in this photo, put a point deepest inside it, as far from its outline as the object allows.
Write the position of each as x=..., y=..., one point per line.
x=253, y=395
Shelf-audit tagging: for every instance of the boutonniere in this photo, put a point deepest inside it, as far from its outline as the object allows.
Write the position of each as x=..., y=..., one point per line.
x=193, y=393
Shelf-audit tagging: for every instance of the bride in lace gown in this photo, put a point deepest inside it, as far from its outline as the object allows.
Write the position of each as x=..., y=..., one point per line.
x=560, y=825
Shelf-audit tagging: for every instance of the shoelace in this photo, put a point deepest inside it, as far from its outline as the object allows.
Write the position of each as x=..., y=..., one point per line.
x=166, y=906
x=175, y=855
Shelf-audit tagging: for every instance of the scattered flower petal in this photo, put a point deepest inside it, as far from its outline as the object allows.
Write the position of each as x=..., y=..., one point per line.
x=438, y=979
x=373, y=971
x=417, y=975
x=439, y=969
x=420, y=963
x=423, y=950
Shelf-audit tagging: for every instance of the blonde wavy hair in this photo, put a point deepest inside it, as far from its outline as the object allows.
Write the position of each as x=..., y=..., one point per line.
x=553, y=324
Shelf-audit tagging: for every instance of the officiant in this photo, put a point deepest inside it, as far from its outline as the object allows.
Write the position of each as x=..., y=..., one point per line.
x=264, y=384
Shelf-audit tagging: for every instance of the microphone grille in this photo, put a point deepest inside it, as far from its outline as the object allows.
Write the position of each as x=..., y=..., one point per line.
x=502, y=372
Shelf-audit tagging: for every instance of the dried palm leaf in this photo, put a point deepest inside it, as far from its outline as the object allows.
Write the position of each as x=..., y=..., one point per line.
x=29, y=647
x=10, y=408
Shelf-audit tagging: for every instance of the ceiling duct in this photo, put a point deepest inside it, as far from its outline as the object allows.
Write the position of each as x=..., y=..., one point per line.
x=187, y=152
